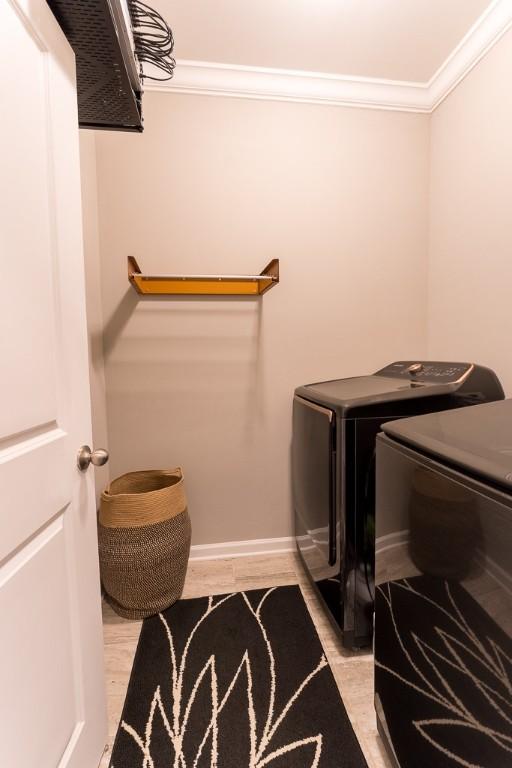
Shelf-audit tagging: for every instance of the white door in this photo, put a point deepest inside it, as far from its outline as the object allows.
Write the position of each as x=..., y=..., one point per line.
x=52, y=707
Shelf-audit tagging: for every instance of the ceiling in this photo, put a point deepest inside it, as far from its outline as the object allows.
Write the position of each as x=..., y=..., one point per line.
x=390, y=39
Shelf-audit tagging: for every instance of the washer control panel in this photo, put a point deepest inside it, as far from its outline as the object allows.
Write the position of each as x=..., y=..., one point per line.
x=427, y=372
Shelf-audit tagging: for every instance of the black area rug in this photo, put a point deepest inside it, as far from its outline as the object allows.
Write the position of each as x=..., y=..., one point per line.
x=443, y=675
x=234, y=681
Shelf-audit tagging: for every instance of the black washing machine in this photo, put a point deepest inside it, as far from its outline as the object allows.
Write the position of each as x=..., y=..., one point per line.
x=335, y=424
x=443, y=608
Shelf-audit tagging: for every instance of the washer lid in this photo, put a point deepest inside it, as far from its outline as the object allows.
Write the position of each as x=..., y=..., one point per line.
x=369, y=392
x=477, y=438
x=359, y=388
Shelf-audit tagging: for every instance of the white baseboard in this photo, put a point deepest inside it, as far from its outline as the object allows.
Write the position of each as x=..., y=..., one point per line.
x=271, y=546
x=500, y=576
x=242, y=548
x=391, y=540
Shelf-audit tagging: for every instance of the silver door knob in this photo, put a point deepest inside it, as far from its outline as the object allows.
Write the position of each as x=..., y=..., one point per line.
x=86, y=456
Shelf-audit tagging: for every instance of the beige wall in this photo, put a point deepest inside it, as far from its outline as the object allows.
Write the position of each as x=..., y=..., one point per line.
x=348, y=200
x=218, y=185
x=470, y=218
x=93, y=300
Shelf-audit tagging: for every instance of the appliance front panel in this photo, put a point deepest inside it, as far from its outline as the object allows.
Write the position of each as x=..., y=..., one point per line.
x=358, y=514
x=364, y=528
x=443, y=614
x=313, y=472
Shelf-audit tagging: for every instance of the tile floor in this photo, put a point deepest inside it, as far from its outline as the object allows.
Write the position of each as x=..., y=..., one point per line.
x=353, y=671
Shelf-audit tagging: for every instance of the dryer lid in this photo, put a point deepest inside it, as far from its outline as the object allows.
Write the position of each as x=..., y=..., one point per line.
x=478, y=438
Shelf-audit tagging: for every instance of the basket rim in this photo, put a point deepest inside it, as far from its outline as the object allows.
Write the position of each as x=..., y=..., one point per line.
x=176, y=472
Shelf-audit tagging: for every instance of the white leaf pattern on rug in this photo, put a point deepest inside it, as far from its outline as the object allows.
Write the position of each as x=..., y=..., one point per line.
x=452, y=670
x=234, y=681
x=180, y=721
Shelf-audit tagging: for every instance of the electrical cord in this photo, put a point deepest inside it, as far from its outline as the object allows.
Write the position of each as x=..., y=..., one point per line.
x=153, y=39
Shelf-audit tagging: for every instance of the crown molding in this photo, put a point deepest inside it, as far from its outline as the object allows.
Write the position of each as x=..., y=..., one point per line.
x=483, y=35
x=214, y=79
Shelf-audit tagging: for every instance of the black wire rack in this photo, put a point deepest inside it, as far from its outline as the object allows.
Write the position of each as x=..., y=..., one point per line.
x=108, y=83
x=108, y=97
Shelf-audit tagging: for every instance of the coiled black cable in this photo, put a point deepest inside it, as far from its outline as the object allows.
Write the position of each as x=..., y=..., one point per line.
x=153, y=39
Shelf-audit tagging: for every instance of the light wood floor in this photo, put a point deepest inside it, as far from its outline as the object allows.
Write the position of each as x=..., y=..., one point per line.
x=353, y=671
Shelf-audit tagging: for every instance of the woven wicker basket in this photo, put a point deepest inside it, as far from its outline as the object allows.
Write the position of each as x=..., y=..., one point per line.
x=144, y=541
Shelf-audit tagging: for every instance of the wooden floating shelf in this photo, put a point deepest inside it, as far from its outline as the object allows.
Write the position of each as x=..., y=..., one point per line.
x=203, y=285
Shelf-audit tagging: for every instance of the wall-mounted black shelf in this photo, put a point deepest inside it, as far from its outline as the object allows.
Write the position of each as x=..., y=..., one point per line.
x=109, y=90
